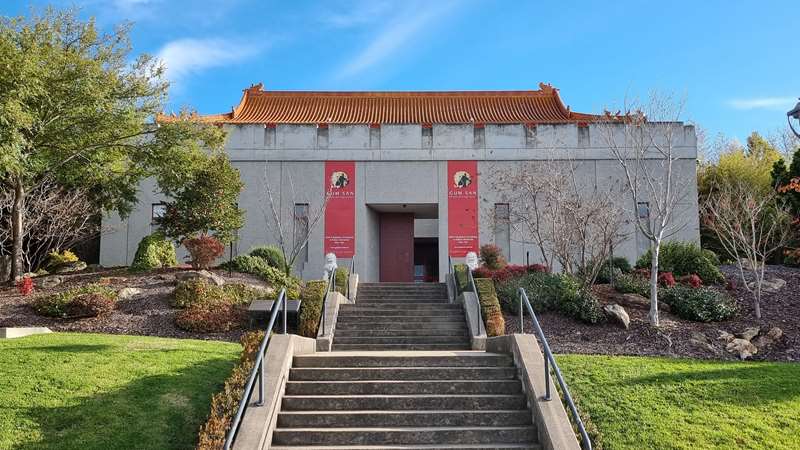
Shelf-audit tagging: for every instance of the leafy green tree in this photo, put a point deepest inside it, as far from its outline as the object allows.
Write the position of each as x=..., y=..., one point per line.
x=751, y=165
x=207, y=204
x=77, y=109
x=783, y=176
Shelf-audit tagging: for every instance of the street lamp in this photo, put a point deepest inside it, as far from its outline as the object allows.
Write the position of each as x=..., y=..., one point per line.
x=794, y=114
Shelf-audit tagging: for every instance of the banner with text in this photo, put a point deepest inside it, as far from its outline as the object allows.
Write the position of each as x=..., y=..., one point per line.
x=340, y=211
x=462, y=207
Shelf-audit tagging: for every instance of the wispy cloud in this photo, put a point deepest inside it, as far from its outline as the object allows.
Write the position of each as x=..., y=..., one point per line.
x=357, y=14
x=774, y=103
x=395, y=35
x=184, y=57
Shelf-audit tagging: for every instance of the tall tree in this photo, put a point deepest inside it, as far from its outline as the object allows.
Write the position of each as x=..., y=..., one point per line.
x=76, y=111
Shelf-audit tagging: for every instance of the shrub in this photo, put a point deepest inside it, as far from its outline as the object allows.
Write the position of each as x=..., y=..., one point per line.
x=581, y=305
x=55, y=259
x=154, y=251
x=198, y=291
x=60, y=304
x=632, y=283
x=555, y=292
x=492, y=257
x=694, y=281
x=91, y=304
x=203, y=250
x=490, y=308
x=701, y=304
x=243, y=294
x=257, y=266
x=212, y=317
x=25, y=285
x=342, y=273
x=666, y=279
x=461, y=277
x=225, y=403
x=684, y=258
x=312, y=295
x=617, y=266
x=508, y=272
x=271, y=254
x=246, y=264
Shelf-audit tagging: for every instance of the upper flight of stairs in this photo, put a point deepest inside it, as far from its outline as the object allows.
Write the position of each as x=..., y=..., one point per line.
x=401, y=316
x=404, y=400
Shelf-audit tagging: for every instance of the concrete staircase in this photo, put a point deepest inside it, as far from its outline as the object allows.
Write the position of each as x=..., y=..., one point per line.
x=401, y=316
x=404, y=400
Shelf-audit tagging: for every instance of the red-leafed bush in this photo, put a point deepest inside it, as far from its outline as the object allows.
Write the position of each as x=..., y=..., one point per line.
x=692, y=280
x=492, y=257
x=541, y=268
x=666, y=279
x=508, y=272
x=25, y=285
x=203, y=250
x=213, y=317
x=89, y=305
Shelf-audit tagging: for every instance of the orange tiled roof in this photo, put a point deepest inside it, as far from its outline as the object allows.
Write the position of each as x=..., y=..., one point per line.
x=299, y=107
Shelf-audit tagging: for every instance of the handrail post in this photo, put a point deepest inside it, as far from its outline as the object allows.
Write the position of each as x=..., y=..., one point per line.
x=547, y=379
x=521, y=316
x=285, y=308
x=260, y=401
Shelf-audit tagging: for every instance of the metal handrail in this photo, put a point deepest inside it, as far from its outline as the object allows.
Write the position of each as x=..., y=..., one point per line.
x=550, y=360
x=350, y=274
x=257, y=371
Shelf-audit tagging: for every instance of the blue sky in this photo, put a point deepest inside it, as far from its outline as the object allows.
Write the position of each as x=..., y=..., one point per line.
x=737, y=63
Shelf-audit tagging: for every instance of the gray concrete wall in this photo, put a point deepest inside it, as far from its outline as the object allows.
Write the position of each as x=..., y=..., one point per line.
x=396, y=165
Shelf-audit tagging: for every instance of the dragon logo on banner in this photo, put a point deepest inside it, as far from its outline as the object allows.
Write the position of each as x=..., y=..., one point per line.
x=339, y=180
x=462, y=179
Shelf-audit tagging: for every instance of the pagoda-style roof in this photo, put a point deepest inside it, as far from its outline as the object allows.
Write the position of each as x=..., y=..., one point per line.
x=257, y=106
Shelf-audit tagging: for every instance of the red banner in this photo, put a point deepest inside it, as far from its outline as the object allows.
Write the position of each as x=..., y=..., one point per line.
x=462, y=207
x=340, y=211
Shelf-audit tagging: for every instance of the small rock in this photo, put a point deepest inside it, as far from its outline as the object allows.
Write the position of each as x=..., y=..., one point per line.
x=166, y=277
x=108, y=281
x=639, y=302
x=618, y=313
x=742, y=347
x=204, y=274
x=703, y=341
x=750, y=333
x=76, y=266
x=725, y=336
x=128, y=293
x=50, y=282
x=94, y=267
x=772, y=336
x=771, y=285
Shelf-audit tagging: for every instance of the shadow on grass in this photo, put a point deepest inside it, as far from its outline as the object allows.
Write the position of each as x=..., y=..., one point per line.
x=71, y=348
x=154, y=412
x=735, y=383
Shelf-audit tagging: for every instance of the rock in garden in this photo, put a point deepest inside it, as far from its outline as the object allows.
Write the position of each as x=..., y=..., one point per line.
x=618, y=313
x=725, y=336
x=772, y=336
x=166, y=277
x=108, y=281
x=204, y=274
x=773, y=285
x=704, y=342
x=128, y=293
x=76, y=266
x=750, y=333
x=50, y=282
x=741, y=347
x=639, y=302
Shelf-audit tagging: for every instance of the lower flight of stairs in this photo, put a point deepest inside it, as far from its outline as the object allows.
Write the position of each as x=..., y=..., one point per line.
x=401, y=316
x=404, y=400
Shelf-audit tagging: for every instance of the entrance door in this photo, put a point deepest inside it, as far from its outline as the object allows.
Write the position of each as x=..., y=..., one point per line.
x=397, y=247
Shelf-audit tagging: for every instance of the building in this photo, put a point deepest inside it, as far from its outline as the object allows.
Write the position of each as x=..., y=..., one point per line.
x=405, y=173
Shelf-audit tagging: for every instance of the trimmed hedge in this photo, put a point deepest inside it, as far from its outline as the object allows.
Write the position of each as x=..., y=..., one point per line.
x=342, y=274
x=685, y=258
x=490, y=308
x=213, y=317
x=85, y=301
x=312, y=296
x=271, y=254
x=154, y=252
x=702, y=304
x=461, y=278
x=198, y=291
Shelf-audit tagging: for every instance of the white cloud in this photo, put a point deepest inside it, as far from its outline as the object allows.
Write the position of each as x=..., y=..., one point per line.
x=184, y=57
x=773, y=103
x=394, y=36
x=357, y=14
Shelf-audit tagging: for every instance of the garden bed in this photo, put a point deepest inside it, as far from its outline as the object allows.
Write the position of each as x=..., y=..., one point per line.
x=149, y=313
x=675, y=336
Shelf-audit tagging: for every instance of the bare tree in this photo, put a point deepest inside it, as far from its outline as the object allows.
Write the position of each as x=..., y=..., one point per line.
x=751, y=226
x=645, y=143
x=573, y=225
x=292, y=230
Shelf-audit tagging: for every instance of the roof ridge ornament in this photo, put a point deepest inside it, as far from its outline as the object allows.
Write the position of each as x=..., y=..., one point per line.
x=256, y=87
x=547, y=88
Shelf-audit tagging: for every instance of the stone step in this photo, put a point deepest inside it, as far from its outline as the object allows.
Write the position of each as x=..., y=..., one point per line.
x=458, y=339
x=405, y=359
x=377, y=319
x=403, y=387
x=393, y=306
x=401, y=373
x=376, y=325
x=400, y=333
x=406, y=347
x=376, y=312
x=344, y=419
x=487, y=446
x=409, y=435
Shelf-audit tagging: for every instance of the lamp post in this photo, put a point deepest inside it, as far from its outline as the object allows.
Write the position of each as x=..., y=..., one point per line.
x=794, y=114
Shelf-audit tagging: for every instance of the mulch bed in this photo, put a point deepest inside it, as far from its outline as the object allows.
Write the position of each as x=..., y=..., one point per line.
x=674, y=337
x=148, y=314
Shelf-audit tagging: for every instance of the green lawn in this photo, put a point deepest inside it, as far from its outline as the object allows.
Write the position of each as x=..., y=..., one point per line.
x=93, y=391
x=662, y=403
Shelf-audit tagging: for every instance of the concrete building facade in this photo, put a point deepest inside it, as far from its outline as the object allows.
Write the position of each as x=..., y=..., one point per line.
x=400, y=152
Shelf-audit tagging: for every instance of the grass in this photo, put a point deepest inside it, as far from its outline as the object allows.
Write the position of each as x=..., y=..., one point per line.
x=93, y=391
x=663, y=403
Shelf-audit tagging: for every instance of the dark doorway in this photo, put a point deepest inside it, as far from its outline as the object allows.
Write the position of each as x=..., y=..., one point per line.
x=397, y=247
x=426, y=260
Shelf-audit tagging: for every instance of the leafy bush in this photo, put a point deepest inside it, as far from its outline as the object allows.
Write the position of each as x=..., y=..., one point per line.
x=342, y=273
x=492, y=257
x=271, y=254
x=55, y=259
x=547, y=291
x=225, y=403
x=25, y=285
x=60, y=304
x=508, y=272
x=684, y=258
x=490, y=308
x=203, y=250
x=89, y=305
x=581, y=305
x=312, y=295
x=632, y=283
x=461, y=278
x=213, y=317
x=257, y=266
x=154, y=251
x=197, y=291
x=666, y=279
x=618, y=265
x=701, y=304
x=246, y=264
